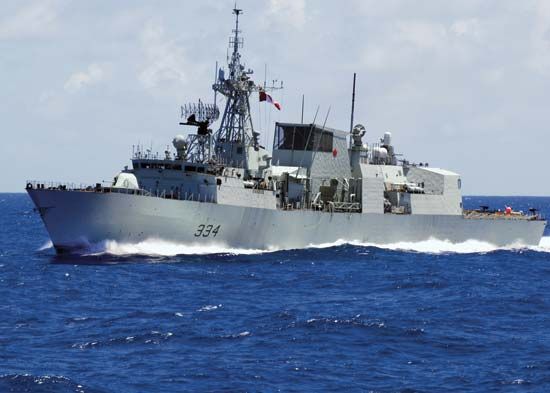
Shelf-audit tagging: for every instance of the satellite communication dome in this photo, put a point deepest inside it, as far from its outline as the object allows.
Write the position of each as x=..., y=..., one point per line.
x=380, y=152
x=179, y=142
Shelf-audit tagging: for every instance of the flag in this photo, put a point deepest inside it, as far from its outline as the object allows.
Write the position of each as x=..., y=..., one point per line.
x=266, y=97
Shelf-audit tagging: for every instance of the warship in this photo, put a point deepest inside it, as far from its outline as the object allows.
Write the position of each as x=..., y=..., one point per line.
x=318, y=185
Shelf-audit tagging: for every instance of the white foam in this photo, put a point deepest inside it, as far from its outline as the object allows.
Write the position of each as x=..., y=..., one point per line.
x=209, y=307
x=544, y=245
x=436, y=246
x=46, y=246
x=339, y=242
x=158, y=247
x=545, y=242
x=430, y=246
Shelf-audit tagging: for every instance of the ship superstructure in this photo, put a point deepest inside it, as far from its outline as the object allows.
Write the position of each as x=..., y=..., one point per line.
x=318, y=185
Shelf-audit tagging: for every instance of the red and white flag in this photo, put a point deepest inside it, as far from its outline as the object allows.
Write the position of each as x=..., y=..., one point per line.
x=266, y=97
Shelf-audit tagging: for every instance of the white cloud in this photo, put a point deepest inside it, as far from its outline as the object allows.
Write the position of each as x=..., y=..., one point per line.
x=94, y=74
x=467, y=28
x=287, y=12
x=399, y=44
x=423, y=35
x=375, y=57
x=408, y=42
x=35, y=19
x=164, y=59
x=539, y=59
x=493, y=75
x=52, y=104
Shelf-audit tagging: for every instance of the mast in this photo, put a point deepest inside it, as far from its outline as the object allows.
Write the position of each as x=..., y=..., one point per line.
x=302, y=119
x=236, y=133
x=352, y=106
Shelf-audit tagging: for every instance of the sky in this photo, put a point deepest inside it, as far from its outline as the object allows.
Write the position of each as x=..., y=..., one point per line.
x=463, y=85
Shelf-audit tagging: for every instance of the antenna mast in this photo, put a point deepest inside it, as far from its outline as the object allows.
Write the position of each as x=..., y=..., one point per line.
x=236, y=132
x=302, y=120
x=352, y=107
x=352, y=103
x=236, y=143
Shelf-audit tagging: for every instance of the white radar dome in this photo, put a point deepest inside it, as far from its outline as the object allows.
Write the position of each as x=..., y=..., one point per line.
x=179, y=142
x=380, y=152
x=126, y=180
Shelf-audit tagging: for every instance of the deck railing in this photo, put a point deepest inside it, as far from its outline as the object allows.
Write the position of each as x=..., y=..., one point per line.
x=105, y=189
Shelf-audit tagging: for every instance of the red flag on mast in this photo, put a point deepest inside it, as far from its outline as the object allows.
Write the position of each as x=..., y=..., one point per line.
x=266, y=97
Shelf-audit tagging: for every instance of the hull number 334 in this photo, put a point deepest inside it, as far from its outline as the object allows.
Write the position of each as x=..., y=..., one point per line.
x=207, y=230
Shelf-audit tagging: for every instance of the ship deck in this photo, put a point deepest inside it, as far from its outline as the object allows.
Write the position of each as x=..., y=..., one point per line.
x=102, y=189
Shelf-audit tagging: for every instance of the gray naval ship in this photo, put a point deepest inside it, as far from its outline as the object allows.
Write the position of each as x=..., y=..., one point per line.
x=318, y=185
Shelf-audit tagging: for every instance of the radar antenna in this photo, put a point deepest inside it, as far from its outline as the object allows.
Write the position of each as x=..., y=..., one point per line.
x=202, y=112
x=198, y=146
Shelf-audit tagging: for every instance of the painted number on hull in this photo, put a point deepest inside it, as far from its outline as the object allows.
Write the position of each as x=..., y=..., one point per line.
x=207, y=230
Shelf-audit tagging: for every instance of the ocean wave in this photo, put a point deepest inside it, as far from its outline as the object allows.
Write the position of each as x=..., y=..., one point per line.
x=164, y=248
x=353, y=322
x=209, y=307
x=43, y=383
x=544, y=245
x=46, y=246
x=437, y=246
x=246, y=333
x=153, y=337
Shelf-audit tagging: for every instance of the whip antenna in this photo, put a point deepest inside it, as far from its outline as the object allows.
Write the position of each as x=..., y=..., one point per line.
x=352, y=107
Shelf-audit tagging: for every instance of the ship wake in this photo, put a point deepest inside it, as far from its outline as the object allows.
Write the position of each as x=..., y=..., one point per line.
x=437, y=246
x=46, y=246
x=163, y=248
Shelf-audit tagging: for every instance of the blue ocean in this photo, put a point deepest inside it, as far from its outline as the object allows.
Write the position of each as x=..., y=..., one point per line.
x=160, y=317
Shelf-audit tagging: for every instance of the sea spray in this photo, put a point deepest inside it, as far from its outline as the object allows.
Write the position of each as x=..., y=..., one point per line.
x=164, y=248
x=46, y=246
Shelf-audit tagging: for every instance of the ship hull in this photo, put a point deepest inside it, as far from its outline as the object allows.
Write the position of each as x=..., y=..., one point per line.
x=76, y=219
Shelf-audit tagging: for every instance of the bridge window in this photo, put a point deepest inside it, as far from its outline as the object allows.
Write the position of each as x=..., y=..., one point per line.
x=303, y=137
x=324, y=141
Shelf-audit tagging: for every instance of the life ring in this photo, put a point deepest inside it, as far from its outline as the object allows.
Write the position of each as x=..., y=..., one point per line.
x=29, y=186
